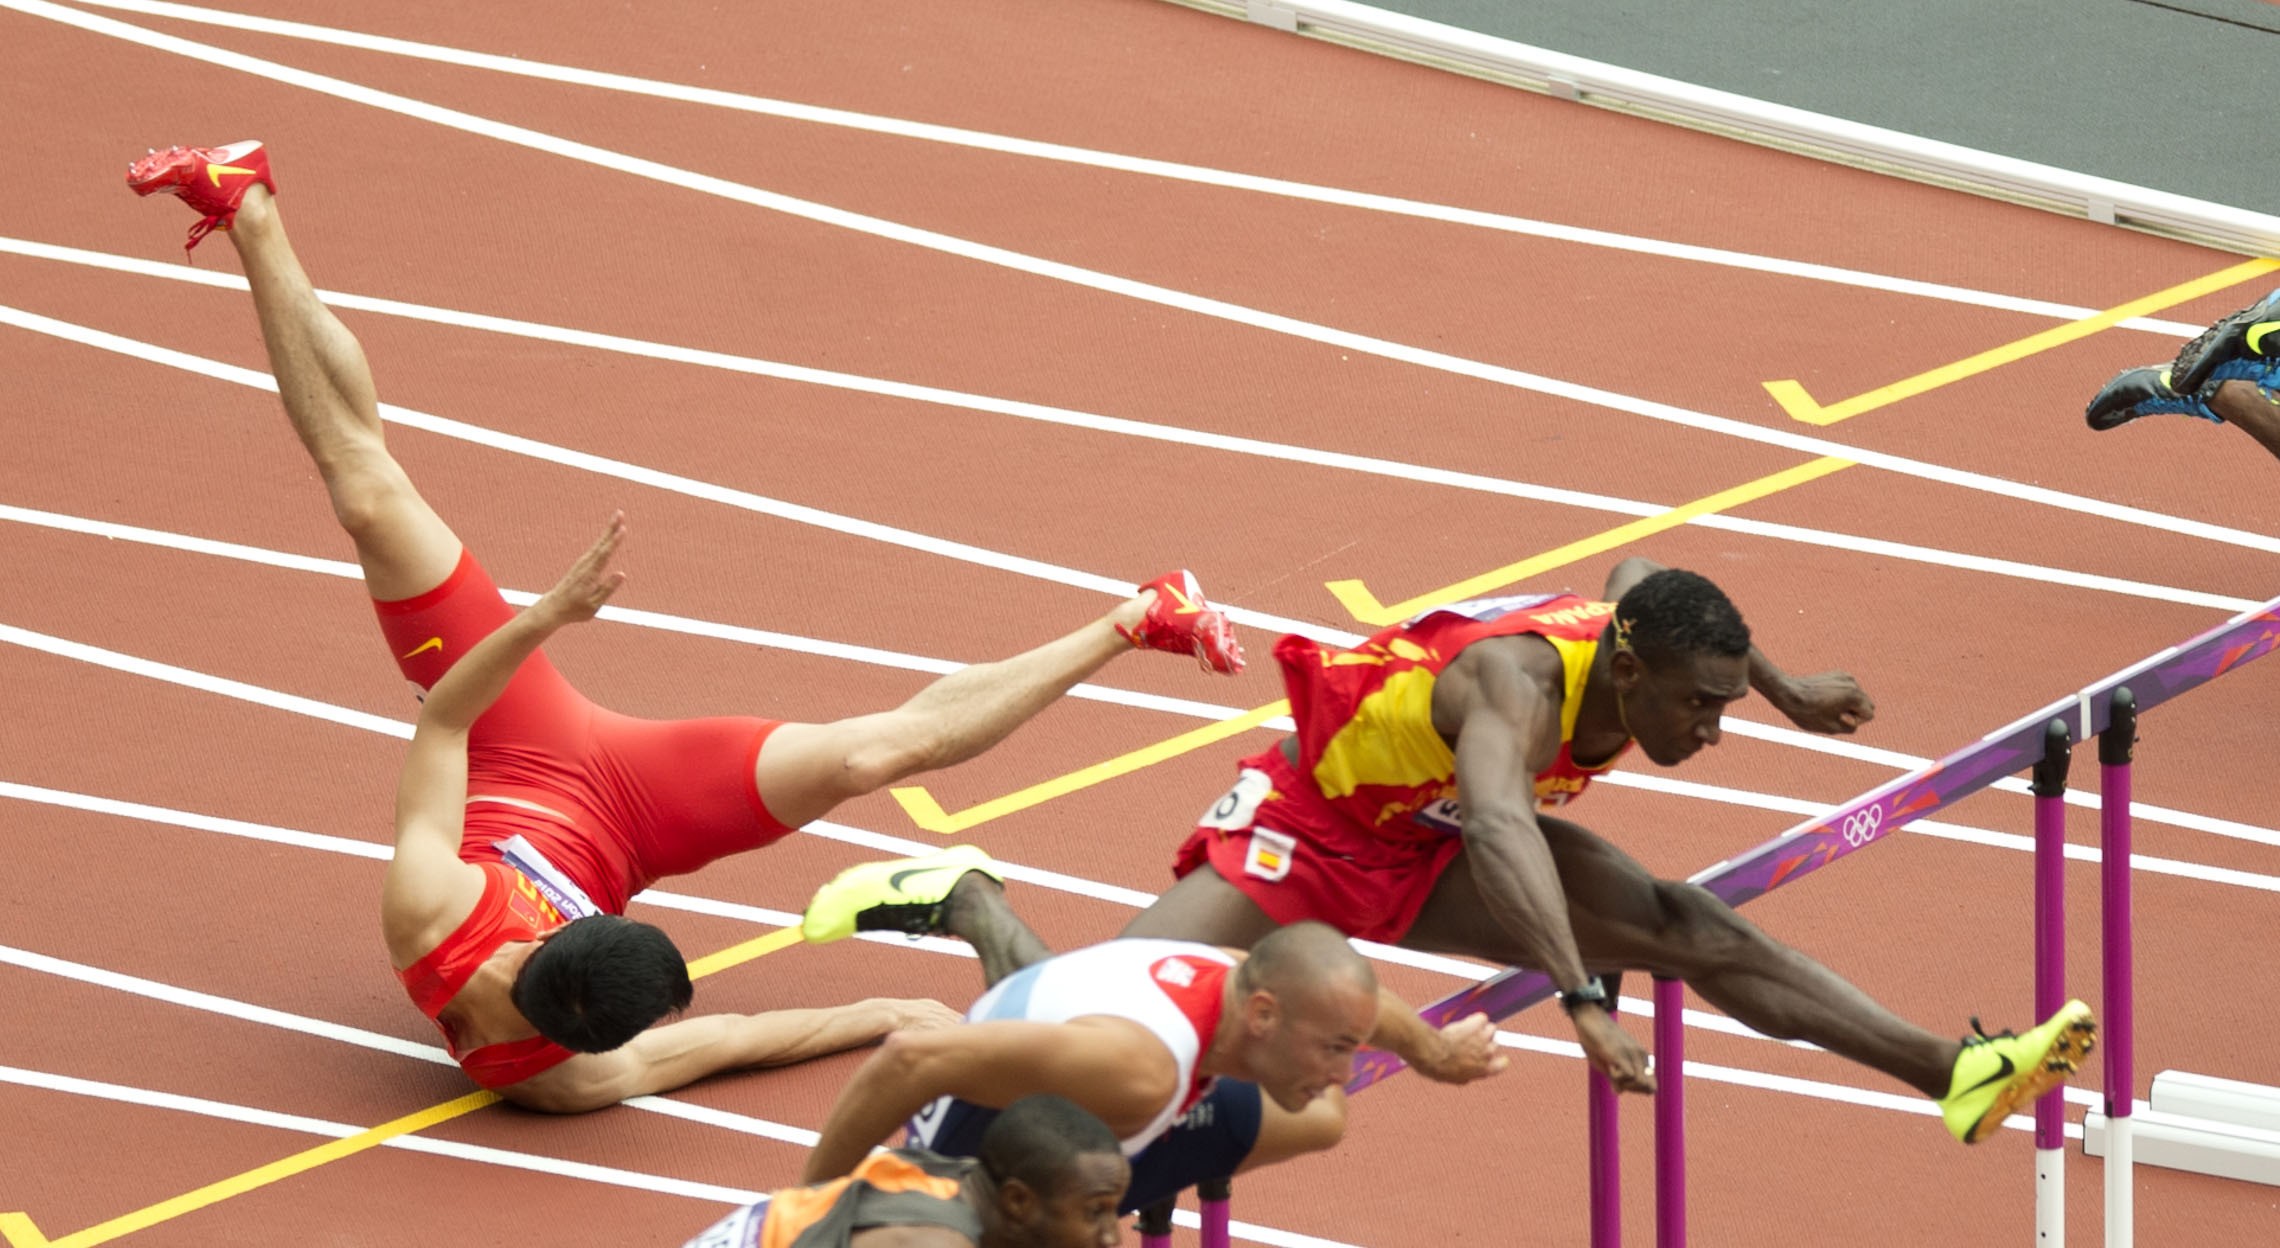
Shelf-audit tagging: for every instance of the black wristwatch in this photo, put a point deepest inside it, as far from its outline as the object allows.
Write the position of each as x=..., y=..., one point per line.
x=1592, y=993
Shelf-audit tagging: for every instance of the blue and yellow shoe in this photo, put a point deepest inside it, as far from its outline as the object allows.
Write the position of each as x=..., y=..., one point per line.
x=2248, y=340
x=899, y=895
x=2145, y=391
x=1997, y=1075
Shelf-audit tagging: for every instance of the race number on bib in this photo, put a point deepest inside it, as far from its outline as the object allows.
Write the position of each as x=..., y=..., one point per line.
x=1233, y=811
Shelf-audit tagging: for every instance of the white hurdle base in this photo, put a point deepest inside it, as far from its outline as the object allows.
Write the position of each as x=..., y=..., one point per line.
x=2206, y=1125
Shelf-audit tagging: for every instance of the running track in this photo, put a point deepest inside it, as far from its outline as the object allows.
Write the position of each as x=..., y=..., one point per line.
x=1484, y=349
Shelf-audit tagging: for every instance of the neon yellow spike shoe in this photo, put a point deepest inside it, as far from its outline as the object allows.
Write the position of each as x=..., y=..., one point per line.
x=898, y=895
x=1995, y=1075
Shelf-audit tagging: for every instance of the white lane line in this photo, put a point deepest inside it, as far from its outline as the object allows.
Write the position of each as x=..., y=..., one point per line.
x=1735, y=725
x=1941, y=829
x=659, y=620
x=804, y=1138
x=2089, y=799
x=1169, y=170
x=150, y=1099
x=742, y=500
x=1791, y=1085
x=1127, y=287
x=1119, y=426
x=188, y=678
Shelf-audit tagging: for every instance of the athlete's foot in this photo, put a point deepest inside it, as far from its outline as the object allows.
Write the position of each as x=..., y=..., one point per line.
x=900, y=895
x=212, y=180
x=2250, y=336
x=2139, y=392
x=1997, y=1075
x=1170, y=614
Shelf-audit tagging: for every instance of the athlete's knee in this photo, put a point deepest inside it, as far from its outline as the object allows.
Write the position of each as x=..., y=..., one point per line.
x=370, y=493
x=1701, y=931
x=894, y=753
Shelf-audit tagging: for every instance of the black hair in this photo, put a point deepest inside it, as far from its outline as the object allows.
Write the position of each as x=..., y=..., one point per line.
x=1675, y=613
x=600, y=981
x=1038, y=1138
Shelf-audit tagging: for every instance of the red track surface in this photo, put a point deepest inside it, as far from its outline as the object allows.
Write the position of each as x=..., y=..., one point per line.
x=389, y=206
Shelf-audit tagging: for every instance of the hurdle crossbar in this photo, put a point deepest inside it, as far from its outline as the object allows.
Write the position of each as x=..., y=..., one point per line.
x=1862, y=822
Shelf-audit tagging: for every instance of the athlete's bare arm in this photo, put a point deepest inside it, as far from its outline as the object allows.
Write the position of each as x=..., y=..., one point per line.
x=1461, y=1052
x=1113, y=1067
x=1500, y=700
x=1831, y=702
x=428, y=890
x=680, y=1053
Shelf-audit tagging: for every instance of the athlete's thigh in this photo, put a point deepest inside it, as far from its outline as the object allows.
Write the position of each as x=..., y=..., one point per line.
x=1204, y=907
x=1614, y=905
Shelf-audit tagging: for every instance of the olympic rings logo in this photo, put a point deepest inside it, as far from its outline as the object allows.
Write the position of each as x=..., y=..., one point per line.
x=1860, y=828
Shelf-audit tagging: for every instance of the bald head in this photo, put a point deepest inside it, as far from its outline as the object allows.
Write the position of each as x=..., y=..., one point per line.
x=1301, y=961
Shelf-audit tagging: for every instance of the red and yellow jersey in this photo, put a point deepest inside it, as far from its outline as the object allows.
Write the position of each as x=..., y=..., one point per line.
x=1365, y=715
x=899, y=1188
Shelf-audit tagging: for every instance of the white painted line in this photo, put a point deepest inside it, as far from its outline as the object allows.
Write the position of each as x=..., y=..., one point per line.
x=149, y=1099
x=1940, y=829
x=188, y=678
x=1119, y=426
x=1126, y=287
x=1733, y=725
x=742, y=500
x=1169, y=170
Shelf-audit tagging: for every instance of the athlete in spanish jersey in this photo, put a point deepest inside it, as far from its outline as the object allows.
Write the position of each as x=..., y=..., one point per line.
x=587, y=806
x=1201, y=1063
x=1412, y=806
x=1046, y=1175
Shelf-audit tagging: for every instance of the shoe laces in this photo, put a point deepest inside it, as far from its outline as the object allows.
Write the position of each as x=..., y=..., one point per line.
x=1979, y=1034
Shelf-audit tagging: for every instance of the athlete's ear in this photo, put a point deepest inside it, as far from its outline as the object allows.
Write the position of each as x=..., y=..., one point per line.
x=1018, y=1203
x=1628, y=669
x=1261, y=1012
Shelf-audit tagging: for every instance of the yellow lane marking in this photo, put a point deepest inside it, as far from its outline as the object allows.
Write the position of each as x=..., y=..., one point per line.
x=737, y=955
x=20, y=1232
x=1364, y=605
x=284, y=1168
x=928, y=813
x=1801, y=405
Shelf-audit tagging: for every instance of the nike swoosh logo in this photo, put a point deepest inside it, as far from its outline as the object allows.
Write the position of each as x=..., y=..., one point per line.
x=2256, y=333
x=895, y=881
x=1187, y=605
x=2006, y=1072
x=216, y=171
x=432, y=643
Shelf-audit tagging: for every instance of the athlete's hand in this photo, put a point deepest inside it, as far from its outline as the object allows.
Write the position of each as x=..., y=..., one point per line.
x=1464, y=1051
x=921, y=1015
x=1611, y=1050
x=1830, y=702
x=588, y=584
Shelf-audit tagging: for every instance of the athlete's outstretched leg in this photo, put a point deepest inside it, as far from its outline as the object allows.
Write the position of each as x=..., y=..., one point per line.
x=806, y=769
x=2254, y=409
x=406, y=549
x=321, y=374
x=1625, y=919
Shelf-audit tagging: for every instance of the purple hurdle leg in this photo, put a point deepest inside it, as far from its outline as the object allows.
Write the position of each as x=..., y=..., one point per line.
x=2050, y=973
x=1670, y=1114
x=1215, y=1194
x=2114, y=755
x=1155, y=1224
x=1606, y=1148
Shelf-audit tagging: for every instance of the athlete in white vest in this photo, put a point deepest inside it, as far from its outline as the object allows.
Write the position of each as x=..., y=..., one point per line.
x=1170, y=1043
